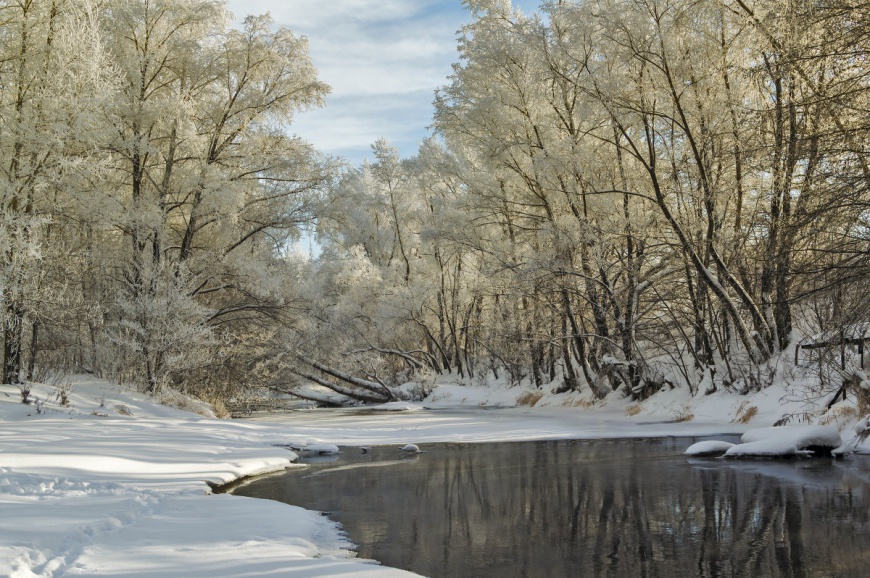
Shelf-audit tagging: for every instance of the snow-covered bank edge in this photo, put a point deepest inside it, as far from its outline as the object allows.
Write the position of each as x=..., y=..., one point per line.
x=461, y=413
x=793, y=396
x=113, y=484
x=775, y=403
x=526, y=413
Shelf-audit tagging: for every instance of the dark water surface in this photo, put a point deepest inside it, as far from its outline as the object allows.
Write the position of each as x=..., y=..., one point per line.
x=590, y=508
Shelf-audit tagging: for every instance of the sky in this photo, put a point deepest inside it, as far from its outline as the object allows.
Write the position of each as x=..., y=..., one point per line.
x=384, y=59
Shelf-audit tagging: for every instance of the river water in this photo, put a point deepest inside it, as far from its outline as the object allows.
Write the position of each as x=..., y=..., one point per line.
x=589, y=508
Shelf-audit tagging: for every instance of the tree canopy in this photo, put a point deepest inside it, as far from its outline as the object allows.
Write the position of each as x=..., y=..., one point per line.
x=620, y=195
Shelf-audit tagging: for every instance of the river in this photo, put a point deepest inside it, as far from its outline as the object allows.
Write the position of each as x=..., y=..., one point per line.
x=628, y=507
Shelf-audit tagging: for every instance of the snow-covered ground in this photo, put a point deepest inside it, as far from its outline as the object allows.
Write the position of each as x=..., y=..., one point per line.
x=115, y=484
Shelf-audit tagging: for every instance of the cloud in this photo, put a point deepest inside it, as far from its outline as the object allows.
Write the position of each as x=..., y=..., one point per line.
x=383, y=59
x=348, y=126
x=323, y=13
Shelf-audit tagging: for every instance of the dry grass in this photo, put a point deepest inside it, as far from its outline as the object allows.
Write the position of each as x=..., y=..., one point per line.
x=745, y=412
x=631, y=410
x=684, y=414
x=184, y=402
x=220, y=410
x=840, y=416
x=862, y=399
x=530, y=398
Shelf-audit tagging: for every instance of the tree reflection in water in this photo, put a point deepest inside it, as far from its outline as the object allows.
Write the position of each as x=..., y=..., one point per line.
x=590, y=508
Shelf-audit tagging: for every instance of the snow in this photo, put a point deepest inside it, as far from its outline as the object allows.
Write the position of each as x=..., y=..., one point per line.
x=116, y=484
x=127, y=494
x=786, y=441
x=708, y=447
x=780, y=441
x=465, y=413
x=398, y=406
x=314, y=447
x=483, y=424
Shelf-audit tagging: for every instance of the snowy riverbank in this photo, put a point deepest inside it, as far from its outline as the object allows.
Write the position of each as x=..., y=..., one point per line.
x=116, y=485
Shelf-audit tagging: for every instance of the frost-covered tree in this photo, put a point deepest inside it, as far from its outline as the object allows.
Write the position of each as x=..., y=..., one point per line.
x=209, y=186
x=152, y=190
x=374, y=207
x=623, y=195
x=54, y=78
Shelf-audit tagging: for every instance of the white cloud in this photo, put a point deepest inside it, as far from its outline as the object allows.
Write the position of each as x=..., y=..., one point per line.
x=383, y=58
x=322, y=13
x=348, y=126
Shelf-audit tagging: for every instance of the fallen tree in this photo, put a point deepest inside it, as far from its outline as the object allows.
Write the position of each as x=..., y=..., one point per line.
x=348, y=386
x=375, y=390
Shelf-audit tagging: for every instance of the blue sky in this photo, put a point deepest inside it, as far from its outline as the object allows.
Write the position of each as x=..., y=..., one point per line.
x=383, y=58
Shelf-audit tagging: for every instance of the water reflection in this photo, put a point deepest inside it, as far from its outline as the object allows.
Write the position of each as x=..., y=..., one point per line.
x=603, y=508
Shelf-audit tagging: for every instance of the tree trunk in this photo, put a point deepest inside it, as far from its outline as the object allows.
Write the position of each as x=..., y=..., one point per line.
x=361, y=395
x=12, y=343
x=34, y=350
x=371, y=386
x=581, y=347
